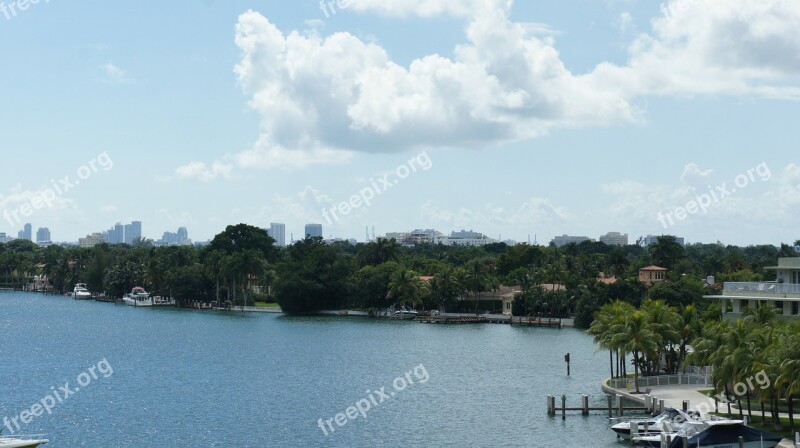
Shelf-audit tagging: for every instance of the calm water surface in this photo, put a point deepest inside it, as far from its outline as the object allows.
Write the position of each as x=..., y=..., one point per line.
x=202, y=379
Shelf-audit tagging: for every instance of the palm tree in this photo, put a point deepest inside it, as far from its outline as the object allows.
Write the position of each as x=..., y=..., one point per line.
x=405, y=287
x=637, y=336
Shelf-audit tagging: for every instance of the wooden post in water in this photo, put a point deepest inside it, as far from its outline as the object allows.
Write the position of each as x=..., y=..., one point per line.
x=619, y=406
x=660, y=406
x=648, y=403
x=610, y=406
x=685, y=405
x=566, y=358
x=585, y=405
x=741, y=442
x=551, y=406
x=563, y=407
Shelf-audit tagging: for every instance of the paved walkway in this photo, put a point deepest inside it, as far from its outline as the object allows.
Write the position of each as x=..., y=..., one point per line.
x=674, y=396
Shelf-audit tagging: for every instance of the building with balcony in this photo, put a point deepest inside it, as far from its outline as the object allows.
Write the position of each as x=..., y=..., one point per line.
x=783, y=294
x=652, y=275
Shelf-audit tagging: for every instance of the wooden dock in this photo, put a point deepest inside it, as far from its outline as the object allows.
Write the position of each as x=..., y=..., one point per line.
x=452, y=319
x=536, y=322
x=619, y=408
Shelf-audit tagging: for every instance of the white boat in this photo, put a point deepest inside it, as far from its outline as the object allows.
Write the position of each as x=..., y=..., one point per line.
x=80, y=292
x=405, y=313
x=163, y=301
x=686, y=430
x=668, y=422
x=720, y=435
x=138, y=297
x=21, y=441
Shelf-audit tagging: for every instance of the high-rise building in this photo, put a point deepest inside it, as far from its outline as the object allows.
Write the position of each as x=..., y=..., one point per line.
x=3, y=238
x=43, y=236
x=133, y=232
x=615, y=239
x=92, y=240
x=314, y=230
x=277, y=231
x=649, y=240
x=179, y=238
x=26, y=233
x=564, y=240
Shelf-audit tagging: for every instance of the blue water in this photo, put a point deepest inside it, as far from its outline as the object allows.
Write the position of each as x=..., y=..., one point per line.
x=205, y=379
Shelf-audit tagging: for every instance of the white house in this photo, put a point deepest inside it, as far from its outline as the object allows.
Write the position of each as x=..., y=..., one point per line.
x=784, y=293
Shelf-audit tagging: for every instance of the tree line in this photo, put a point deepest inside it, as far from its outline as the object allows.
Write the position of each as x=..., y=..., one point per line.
x=242, y=264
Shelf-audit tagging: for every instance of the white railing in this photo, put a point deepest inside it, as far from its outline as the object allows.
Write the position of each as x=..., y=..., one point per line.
x=662, y=380
x=762, y=288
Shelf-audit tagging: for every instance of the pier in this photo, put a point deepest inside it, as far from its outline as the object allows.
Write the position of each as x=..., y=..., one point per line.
x=612, y=408
x=452, y=319
x=536, y=322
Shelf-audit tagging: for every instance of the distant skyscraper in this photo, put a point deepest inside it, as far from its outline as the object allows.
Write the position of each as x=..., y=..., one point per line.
x=278, y=232
x=615, y=239
x=314, y=230
x=133, y=232
x=26, y=233
x=43, y=236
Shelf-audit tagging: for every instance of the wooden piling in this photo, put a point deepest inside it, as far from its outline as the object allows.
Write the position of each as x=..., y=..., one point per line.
x=741, y=442
x=610, y=406
x=685, y=405
x=551, y=405
x=563, y=407
x=620, y=411
x=660, y=406
x=585, y=405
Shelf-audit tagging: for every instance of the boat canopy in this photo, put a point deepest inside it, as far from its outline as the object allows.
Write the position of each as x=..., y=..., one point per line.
x=725, y=434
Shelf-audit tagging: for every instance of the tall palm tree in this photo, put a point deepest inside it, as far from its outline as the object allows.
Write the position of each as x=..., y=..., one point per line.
x=636, y=336
x=405, y=287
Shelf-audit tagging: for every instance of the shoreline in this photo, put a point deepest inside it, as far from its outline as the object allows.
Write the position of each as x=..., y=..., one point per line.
x=673, y=397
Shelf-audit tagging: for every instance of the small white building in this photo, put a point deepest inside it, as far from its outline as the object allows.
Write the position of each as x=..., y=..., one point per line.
x=784, y=293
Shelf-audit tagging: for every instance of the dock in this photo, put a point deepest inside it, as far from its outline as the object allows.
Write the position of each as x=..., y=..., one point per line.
x=452, y=319
x=536, y=322
x=612, y=408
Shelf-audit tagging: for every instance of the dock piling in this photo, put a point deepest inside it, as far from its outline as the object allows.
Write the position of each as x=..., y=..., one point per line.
x=741, y=442
x=563, y=407
x=620, y=411
x=585, y=405
x=685, y=405
x=551, y=405
x=610, y=406
x=660, y=406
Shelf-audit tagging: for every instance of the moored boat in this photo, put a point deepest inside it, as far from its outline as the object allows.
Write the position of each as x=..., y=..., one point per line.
x=138, y=297
x=22, y=441
x=81, y=292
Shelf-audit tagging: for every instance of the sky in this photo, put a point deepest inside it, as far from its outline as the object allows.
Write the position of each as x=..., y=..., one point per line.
x=515, y=119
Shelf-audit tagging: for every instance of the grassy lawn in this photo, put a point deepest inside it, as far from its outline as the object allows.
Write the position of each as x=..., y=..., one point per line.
x=267, y=305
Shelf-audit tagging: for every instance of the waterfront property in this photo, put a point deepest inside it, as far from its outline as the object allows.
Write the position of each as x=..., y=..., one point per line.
x=652, y=275
x=784, y=293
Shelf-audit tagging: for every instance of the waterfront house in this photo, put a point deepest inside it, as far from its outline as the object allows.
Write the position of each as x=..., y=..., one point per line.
x=783, y=293
x=652, y=275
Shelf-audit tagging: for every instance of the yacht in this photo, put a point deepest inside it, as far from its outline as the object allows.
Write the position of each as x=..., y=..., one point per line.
x=21, y=441
x=81, y=292
x=726, y=436
x=138, y=297
x=664, y=422
x=687, y=430
x=405, y=313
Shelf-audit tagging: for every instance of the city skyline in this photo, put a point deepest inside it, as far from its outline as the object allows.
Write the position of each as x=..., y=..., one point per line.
x=576, y=124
